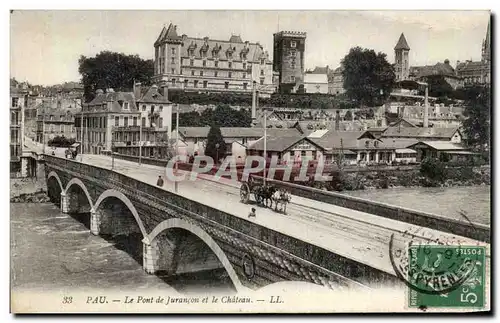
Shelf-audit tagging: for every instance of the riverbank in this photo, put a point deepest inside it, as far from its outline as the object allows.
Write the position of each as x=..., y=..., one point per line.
x=413, y=178
x=28, y=190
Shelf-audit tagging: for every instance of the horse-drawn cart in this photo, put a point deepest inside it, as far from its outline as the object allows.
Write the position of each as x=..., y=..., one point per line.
x=264, y=195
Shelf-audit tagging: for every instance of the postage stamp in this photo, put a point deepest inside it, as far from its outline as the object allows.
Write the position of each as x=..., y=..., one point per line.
x=446, y=276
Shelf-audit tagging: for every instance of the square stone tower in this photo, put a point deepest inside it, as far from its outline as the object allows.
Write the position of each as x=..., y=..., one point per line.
x=402, y=57
x=288, y=59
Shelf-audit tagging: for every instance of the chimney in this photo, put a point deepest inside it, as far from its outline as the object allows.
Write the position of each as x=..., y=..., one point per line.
x=99, y=91
x=426, y=107
x=164, y=91
x=137, y=90
x=337, y=120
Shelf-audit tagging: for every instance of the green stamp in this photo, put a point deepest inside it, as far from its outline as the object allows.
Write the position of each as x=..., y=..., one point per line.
x=446, y=276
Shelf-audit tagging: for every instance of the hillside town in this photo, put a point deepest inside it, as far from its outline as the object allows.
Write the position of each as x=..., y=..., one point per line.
x=409, y=125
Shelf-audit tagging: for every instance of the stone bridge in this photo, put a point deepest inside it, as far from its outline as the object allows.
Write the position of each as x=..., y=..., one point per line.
x=173, y=228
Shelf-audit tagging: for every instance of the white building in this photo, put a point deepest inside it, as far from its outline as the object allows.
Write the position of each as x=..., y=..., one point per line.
x=316, y=83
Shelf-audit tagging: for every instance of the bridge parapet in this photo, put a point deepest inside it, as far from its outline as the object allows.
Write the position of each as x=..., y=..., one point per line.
x=475, y=231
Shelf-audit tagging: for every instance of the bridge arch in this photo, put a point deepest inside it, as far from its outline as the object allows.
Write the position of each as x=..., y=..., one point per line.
x=54, y=174
x=77, y=181
x=205, y=237
x=126, y=201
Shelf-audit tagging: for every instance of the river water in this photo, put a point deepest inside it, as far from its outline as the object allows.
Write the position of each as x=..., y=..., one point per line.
x=52, y=250
x=447, y=201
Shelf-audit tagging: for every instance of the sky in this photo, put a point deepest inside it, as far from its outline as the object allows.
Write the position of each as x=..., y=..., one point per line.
x=45, y=45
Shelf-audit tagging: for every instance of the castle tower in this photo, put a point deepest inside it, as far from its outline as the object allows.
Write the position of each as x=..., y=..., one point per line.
x=402, y=59
x=288, y=59
x=167, y=54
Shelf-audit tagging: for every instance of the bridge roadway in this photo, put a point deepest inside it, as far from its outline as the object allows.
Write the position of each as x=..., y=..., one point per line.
x=357, y=235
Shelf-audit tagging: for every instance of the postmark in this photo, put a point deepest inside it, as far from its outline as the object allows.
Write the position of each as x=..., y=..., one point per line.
x=439, y=273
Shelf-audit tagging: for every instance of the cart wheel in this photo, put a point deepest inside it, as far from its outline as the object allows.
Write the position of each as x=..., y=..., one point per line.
x=244, y=193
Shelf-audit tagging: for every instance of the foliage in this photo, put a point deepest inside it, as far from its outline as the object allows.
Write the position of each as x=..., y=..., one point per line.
x=304, y=101
x=113, y=70
x=221, y=116
x=476, y=126
x=433, y=169
x=215, y=137
x=368, y=76
x=61, y=142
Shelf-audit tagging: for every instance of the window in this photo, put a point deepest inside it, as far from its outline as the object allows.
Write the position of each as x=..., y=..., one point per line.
x=173, y=50
x=173, y=71
x=160, y=122
x=303, y=153
x=262, y=72
x=125, y=122
x=15, y=102
x=192, y=73
x=262, y=60
x=143, y=107
x=293, y=53
x=196, y=83
x=205, y=83
x=125, y=105
x=161, y=108
x=244, y=75
x=186, y=83
x=61, y=128
x=229, y=65
x=216, y=63
x=215, y=74
x=292, y=78
x=204, y=63
x=226, y=85
x=191, y=62
x=135, y=121
x=375, y=143
x=229, y=74
x=143, y=121
x=367, y=143
x=292, y=64
x=245, y=85
x=173, y=82
x=201, y=73
x=261, y=81
x=152, y=108
x=244, y=66
x=173, y=60
x=293, y=44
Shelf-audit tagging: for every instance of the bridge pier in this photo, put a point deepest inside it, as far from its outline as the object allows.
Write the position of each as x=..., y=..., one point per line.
x=162, y=255
x=64, y=202
x=150, y=256
x=95, y=221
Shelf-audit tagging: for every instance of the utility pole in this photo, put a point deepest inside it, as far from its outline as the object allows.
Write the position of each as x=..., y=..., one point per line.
x=176, y=144
x=140, y=140
x=112, y=146
x=43, y=127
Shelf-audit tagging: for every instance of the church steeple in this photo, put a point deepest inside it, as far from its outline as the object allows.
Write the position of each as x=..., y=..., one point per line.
x=486, y=51
x=402, y=43
x=402, y=57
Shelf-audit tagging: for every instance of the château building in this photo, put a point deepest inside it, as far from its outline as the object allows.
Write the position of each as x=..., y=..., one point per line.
x=210, y=65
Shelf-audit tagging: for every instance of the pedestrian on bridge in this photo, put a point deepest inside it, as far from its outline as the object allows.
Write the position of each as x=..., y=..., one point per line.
x=159, y=182
x=252, y=213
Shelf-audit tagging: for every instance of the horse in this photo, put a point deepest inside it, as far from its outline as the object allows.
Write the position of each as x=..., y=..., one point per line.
x=264, y=194
x=281, y=197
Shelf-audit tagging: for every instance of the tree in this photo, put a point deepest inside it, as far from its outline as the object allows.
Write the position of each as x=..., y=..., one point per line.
x=368, y=76
x=113, y=70
x=477, y=113
x=215, y=137
x=438, y=87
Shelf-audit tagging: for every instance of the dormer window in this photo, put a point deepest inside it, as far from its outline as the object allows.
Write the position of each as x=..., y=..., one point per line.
x=375, y=143
x=262, y=60
x=125, y=105
x=367, y=143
